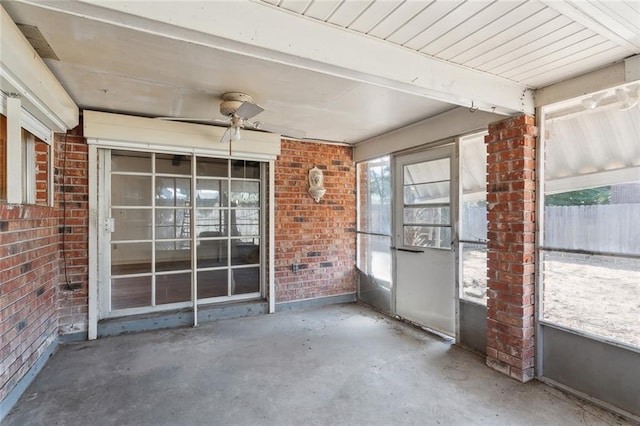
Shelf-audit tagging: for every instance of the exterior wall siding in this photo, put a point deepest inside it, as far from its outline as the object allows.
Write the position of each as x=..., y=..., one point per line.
x=317, y=237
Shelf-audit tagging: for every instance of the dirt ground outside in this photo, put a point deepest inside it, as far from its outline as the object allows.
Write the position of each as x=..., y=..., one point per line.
x=592, y=294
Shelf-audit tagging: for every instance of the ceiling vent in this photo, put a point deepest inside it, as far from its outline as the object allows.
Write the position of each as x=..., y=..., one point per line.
x=37, y=40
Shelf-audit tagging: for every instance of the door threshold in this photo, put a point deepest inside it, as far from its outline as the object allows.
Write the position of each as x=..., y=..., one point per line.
x=180, y=317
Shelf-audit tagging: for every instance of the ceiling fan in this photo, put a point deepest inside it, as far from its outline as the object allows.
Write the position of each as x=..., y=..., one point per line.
x=239, y=108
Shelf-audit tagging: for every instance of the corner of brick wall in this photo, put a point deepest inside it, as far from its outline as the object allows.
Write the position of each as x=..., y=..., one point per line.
x=71, y=182
x=318, y=237
x=511, y=246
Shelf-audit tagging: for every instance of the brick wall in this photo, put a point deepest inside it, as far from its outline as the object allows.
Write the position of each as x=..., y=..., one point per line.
x=28, y=283
x=510, y=264
x=72, y=185
x=319, y=237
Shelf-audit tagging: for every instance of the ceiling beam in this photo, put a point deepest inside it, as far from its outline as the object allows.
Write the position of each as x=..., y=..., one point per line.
x=262, y=31
x=23, y=73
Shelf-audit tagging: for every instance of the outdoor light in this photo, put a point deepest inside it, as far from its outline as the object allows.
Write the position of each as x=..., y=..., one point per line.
x=593, y=101
x=627, y=99
x=235, y=133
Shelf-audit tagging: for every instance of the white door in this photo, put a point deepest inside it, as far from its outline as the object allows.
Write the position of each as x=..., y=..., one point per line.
x=425, y=271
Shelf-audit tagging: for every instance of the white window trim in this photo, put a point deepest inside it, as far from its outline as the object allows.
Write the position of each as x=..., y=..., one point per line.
x=21, y=168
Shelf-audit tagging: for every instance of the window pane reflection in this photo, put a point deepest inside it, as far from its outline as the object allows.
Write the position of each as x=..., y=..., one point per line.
x=173, y=255
x=245, y=222
x=124, y=161
x=130, y=258
x=212, y=222
x=246, y=280
x=131, y=224
x=130, y=190
x=245, y=169
x=173, y=191
x=245, y=194
x=131, y=292
x=173, y=288
x=173, y=223
x=213, y=167
x=212, y=253
x=212, y=283
x=211, y=193
x=244, y=252
x=173, y=164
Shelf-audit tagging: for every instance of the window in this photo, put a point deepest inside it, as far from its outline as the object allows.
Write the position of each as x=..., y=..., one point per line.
x=374, y=218
x=473, y=218
x=590, y=248
x=25, y=156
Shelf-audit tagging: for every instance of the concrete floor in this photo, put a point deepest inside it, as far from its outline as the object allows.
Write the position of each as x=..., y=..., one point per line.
x=337, y=365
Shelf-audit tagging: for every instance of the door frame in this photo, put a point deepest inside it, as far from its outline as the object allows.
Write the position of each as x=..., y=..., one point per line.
x=397, y=198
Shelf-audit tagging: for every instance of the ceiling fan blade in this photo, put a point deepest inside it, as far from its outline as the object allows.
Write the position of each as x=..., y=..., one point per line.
x=196, y=120
x=248, y=110
x=284, y=131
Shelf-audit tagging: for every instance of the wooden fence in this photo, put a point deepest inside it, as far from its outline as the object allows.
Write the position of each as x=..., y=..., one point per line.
x=605, y=228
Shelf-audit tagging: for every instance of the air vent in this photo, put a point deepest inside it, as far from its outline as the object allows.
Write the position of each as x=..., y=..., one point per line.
x=37, y=40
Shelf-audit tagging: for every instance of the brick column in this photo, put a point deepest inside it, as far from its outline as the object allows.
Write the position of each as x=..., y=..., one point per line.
x=510, y=264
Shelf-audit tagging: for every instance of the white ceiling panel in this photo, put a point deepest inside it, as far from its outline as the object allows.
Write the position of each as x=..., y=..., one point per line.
x=468, y=30
x=374, y=14
x=496, y=45
x=322, y=9
x=348, y=11
x=434, y=13
x=397, y=19
x=297, y=6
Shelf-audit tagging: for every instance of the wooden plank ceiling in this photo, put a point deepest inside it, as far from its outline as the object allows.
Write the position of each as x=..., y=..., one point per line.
x=535, y=43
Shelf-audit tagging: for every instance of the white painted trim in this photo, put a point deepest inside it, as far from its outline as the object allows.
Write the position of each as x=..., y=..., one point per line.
x=632, y=69
x=117, y=130
x=259, y=30
x=94, y=215
x=22, y=71
x=28, y=169
x=14, y=152
x=272, y=237
x=456, y=122
x=193, y=238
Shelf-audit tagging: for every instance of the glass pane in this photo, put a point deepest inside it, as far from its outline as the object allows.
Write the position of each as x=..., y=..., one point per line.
x=473, y=156
x=595, y=294
x=213, y=167
x=173, y=255
x=426, y=172
x=130, y=190
x=245, y=280
x=427, y=193
x=132, y=292
x=173, y=191
x=124, y=161
x=427, y=236
x=173, y=288
x=245, y=194
x=173, y=164
x=212, y=253
x=245, y=252
x=211, y=223
x=245, y=169
x=474, y=220
x=131, y=224
x=245, y=222
x=212, y=284
x=130, y=258
x=474, y=273
x=427, y=215
x=211, y=193
x=603, y=219
x=374, y=189
x=173, y=223
x=374, y=256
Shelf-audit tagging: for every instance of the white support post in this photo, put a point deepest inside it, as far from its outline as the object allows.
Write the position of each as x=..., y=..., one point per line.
x=93, y=243
x=14, y=151
x=194, y=250
x=272, y=237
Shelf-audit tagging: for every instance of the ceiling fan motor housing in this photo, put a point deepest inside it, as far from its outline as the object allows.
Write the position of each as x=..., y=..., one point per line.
x=231, y=101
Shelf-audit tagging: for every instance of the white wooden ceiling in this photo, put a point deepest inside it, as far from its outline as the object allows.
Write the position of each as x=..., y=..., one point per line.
x=341, y=70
